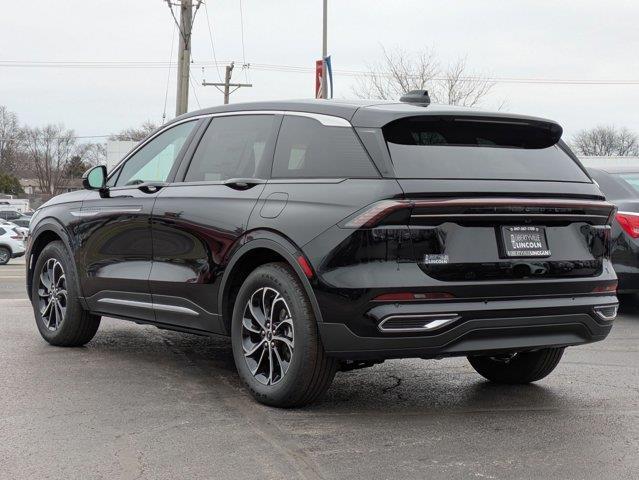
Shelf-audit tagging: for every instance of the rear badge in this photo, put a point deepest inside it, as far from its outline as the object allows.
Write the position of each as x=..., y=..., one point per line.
x=432, y=259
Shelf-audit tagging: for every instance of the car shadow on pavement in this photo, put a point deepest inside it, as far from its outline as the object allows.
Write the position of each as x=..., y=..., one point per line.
x=401, y=386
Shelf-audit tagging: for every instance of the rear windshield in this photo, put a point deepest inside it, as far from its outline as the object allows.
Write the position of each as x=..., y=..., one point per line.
x=459, y=148
x=631, y=179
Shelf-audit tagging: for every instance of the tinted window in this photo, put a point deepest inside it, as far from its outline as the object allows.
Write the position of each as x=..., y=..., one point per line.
x=423, y=147
x=232, y=147
x=631, y=179
x=306, y=148
x=2, y=231
x=153, y=162
x=9, y=214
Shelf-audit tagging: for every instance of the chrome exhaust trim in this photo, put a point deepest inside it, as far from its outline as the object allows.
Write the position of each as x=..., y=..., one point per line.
x=607, y=312
x=416, y=323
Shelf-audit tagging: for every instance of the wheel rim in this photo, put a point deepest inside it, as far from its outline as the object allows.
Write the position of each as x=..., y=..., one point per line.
x=267, y=336
x=52, y=294
x=4, y=255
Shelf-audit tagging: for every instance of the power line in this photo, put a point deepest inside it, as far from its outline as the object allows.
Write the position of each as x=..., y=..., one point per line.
x=168, y=76
x=208, y=23
x=300, y=69
x=244, y=64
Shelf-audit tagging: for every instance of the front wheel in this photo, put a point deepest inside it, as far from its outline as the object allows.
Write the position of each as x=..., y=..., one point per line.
x=276, y=345
x=59, y=315
x=524, y=367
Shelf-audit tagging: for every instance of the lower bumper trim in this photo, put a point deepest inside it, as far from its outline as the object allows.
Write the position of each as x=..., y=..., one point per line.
x=472, y=336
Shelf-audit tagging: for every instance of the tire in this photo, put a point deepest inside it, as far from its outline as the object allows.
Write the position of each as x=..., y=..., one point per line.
x=524, y=367
x=63, y=323
x=5, y=255
x=310, y=371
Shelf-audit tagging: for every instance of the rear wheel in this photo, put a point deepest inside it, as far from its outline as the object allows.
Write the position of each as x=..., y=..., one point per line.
x=59, y=315
x=524, y=367
x=5, y=255
x=276, y=345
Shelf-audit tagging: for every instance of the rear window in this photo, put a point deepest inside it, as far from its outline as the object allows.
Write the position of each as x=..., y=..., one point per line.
x=631, y=179
x=460, y=148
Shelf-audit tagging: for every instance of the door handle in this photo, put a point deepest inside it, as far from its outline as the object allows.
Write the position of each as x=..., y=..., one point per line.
x=151, y=187
x=243, y=183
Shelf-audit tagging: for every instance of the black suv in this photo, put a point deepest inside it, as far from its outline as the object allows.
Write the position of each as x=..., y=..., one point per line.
x=328, y=235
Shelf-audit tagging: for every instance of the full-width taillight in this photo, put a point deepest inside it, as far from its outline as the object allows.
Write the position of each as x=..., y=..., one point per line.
x=376, y=212
x=629, y=221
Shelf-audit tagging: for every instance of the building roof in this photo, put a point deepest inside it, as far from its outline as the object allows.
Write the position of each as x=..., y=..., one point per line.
x=612, y=164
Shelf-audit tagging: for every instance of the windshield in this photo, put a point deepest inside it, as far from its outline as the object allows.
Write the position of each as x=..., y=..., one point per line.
x=458, y=148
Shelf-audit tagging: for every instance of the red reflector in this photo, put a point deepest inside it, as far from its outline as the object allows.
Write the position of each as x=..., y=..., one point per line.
x=610, y=287
x=409, y=296
x=629, y=222
x=306, y=267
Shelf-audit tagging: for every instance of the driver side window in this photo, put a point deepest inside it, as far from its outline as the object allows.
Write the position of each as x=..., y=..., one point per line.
x=153, y=162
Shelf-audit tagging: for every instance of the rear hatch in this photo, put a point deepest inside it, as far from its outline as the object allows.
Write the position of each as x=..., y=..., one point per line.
x=497, y=199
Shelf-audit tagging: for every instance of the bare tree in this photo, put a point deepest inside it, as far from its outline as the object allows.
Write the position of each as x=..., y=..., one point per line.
x=606, y=141
x=136, y=134
x=397, y=74
x=9, y=140
x=92, y=154
x=400, y=71
x=49, y=149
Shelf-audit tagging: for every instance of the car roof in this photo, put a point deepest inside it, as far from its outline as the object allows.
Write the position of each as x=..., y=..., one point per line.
x=361, y=113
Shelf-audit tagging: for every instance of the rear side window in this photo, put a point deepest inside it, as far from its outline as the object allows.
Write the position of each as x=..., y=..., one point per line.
x=459, y=148
x=307, y=149
x=232, y=147
x=2, y=231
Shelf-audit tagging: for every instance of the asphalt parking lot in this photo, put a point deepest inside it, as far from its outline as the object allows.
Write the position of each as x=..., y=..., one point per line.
x=138, y=402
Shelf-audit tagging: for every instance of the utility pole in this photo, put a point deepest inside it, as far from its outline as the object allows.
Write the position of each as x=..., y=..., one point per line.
x=324, y=50
x=227, y=83
x=184, y=57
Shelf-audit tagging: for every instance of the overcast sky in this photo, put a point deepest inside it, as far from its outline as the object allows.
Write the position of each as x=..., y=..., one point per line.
x=547, y=39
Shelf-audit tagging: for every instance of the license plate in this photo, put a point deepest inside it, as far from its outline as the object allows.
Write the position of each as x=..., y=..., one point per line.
x=524, y=241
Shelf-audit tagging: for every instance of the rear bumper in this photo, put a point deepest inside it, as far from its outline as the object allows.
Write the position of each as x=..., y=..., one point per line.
x=483, y=327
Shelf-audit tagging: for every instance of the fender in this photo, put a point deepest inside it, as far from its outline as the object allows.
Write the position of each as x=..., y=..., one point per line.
x=280, y=245
x=50, y=224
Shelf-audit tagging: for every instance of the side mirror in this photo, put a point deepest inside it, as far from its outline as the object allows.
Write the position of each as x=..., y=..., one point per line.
x=95, y=179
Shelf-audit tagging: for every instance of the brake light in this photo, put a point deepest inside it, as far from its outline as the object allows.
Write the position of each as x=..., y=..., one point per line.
x=629, y=222
x=375, y=212
x=410, y=296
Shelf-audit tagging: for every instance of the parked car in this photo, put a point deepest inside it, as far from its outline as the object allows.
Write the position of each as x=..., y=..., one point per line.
x=21, y=231
x=11, y=244
x=15, y=217
x=620, y=183
x=332, y=235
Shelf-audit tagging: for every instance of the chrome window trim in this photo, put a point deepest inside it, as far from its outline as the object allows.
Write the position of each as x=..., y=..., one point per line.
x=326, y=120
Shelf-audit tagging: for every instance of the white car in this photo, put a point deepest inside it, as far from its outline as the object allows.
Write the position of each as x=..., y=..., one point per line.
x=11, y=244
x=22, y=231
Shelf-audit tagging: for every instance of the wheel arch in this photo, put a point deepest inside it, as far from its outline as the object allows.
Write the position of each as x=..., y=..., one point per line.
x=256, y=252
x=47, y=231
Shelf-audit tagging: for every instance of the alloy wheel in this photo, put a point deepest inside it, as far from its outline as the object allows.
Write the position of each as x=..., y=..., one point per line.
x=52, y=293
x=4, y=255
x=267, y=336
